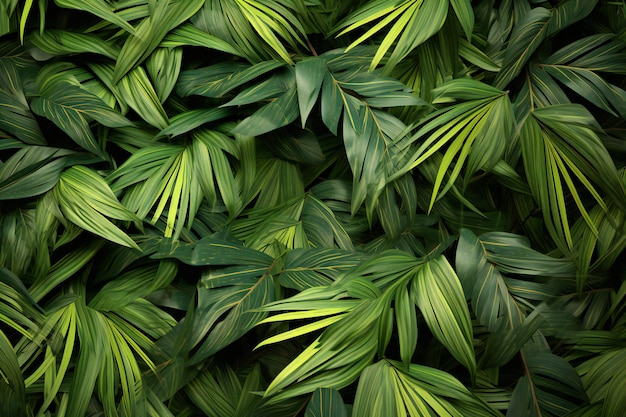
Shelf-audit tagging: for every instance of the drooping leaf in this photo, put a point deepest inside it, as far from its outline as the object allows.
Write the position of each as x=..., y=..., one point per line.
x=71, y=108
x=31, y=171
x=325, y=402
x=86, y=200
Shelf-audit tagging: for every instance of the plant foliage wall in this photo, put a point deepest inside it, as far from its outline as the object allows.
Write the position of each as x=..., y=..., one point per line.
x=312, y=208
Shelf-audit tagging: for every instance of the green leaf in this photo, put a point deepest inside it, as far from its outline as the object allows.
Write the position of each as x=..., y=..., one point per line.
x=326, y=402
x=12, y=387
x=31, y=171
x=188, y=35
x=86, y=200
x=278, y=113
x=309, y=76
x=308, y=268
x=212, y=251
x=532, y=29
x=415, y=22
x=560, y=146
x=465, y=14
x=71, y=108
x=217, y=80
x=437, y=291
x=17, y=119
x=62, y=42
x=104, y=11
x=164, y=65
x=223, y=316
x=406, y=319
x=150, y=32
x=140, y=95
x=190, y=120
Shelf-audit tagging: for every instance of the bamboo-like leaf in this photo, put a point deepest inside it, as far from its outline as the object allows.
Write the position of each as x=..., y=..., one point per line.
x=308, y=268
x=415, y=22
x=71, y=108
x=531, y=30
x=309, y=76
x=386, y=387
x=188, y=121
x=217, y=80
x=325, y=402
x=224, y=316
x=406, y=319
x=465, y=14
x=85, y=199
x=31, y=171
x=63, y=42
x=438, y=294
x=468, y=129
x=104, y=11
x=12, y=387
x=151, y=31
x=164, y=66
x=137, y=91
x=189, y=35
x=17, y=120
x=554, y=155
x=278, y=113
x=256, y=28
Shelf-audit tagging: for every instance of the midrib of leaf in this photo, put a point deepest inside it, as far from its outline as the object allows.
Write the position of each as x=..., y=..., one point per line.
x=532, y=384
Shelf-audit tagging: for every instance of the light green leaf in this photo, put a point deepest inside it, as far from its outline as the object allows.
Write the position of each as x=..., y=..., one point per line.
x=437, y=292
x=85, y=199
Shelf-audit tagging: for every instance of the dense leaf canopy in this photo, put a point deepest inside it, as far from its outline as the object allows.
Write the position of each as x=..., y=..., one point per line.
x=312, y=208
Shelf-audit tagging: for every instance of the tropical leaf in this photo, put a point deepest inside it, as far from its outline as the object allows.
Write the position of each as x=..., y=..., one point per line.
x=414, y=22
x=106, y=12
x=255, y=28
x=31, y=171
x=17, y=119
x=325, y=402
x=178, y=175
x=437, y=291
x=555, y=156
x=467, y=129
x=71, y=109
x=385, y=387
x=164, y=17
x=532, y=29
x=86, y=200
